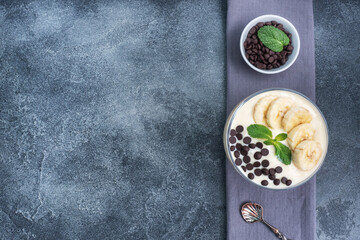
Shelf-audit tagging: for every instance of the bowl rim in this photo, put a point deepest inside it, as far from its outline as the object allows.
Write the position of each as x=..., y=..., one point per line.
x=230, y=118
x=294, y=33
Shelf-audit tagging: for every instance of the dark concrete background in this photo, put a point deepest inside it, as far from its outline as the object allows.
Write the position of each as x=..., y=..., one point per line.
x=111, y=114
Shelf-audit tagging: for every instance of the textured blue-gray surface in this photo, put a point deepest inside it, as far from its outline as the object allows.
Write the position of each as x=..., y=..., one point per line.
x=337, y=25
x=111, y=114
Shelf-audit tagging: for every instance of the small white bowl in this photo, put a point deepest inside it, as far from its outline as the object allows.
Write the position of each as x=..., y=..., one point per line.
x=295, y=41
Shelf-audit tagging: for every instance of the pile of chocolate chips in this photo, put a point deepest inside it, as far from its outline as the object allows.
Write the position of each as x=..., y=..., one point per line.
x=261, y=56
x=260, y=168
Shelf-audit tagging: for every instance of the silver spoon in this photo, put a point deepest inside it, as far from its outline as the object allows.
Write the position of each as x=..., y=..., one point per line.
x=252, y=212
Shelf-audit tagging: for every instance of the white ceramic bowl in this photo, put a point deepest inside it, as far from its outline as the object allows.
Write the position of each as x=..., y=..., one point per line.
x=288, y=27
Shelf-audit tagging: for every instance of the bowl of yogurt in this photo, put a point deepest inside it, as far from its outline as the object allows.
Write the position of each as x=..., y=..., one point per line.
x=276, y=138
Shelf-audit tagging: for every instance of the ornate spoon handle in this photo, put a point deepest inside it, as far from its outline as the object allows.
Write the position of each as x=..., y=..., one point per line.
x=276, y=231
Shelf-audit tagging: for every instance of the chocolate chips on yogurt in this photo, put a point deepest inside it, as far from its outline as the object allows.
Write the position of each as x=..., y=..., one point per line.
x=254, y=163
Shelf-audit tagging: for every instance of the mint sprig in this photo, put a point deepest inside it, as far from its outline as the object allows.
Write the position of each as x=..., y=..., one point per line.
x=282, y=152
x=259, y=131
x=273, y=38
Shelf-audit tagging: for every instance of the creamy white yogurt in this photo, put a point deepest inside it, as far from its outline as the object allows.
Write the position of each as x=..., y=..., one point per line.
x=244, y=116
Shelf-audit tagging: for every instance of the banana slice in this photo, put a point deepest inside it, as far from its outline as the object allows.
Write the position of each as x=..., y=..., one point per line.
x=261, y=108
x=300, y=133
x=277, y=110
x=307, y=155
x=295, y=116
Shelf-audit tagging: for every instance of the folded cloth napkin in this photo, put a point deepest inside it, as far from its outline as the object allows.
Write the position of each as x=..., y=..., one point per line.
x=292, y=211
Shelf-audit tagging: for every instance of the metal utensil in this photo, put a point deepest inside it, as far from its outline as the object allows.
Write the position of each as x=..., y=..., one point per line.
x=252, y=212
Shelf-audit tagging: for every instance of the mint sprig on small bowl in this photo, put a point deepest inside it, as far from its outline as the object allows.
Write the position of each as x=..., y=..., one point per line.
x=282, y=152
x=273, y=38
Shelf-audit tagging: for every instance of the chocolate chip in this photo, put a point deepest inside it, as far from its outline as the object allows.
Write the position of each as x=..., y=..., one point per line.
x=232, y=140
x=236, y=154
x=257, y=172
x=245, y=148
x=271, y=177
x=232, y=132
x=272, y=171
x=251, y=176
x=257, y=155
x=264, y=182
x=252, y=145
x=238, y=146
x=278, y=169
x=246, y=159
x=238, y=161
x=239, y=136
x=232, y=148
x=288, y=182
x=243, y=152
x=264, y=151
x=260, y=65
x=262, y=58
x=239, y=129
x=247, y=140
x=249, y=166
x=243, y=168
x=283, y=180
x=276, y=181
x=260, y=24
x=265, y=163
x=259, y=145
x=256, y=164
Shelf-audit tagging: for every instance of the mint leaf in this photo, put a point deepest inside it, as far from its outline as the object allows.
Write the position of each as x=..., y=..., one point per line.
x=269, y=142
x=273, y=38
x=259, y=131
x=283, y=153
x=281, y=137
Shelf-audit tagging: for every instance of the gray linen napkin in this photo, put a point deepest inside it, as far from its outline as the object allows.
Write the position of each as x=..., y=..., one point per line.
x=292, y=211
